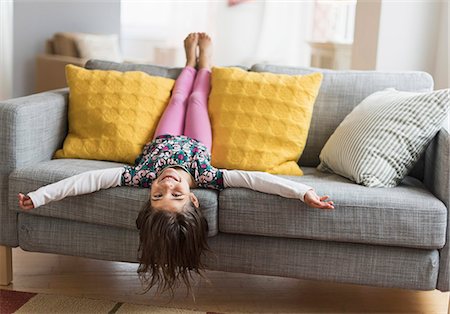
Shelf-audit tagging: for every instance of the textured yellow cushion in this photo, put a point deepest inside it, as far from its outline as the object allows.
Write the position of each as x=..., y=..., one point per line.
x=112, y=114
x=260, y=121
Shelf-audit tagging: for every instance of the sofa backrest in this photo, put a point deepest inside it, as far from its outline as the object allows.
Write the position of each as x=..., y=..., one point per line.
x=339, y=93
x=155, y=70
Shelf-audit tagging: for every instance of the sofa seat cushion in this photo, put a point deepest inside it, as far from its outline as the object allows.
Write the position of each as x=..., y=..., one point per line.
x=117, y=207
x=407, y=215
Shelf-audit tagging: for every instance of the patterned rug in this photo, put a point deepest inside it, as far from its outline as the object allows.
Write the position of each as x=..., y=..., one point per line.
x=24, y=302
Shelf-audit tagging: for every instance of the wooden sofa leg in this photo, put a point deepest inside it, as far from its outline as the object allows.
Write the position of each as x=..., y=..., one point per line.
x=5, y=265
x=448, y=309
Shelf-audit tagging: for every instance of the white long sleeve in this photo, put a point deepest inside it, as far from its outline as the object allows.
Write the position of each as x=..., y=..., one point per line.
x=82, y=183
x=265, y=182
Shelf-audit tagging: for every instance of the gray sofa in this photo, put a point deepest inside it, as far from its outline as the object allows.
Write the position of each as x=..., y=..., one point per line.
x=394, y=237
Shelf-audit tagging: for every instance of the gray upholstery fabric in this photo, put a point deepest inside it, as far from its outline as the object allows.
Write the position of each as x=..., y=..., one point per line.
x=113, y=207
x=31, y=129
x=8, y=219
x=318, y=260
x=329, y=261
x=151, y=69
x=123, y=67
x=407, y=215
x=339, y=93
x=437, y=179
x=69, y=237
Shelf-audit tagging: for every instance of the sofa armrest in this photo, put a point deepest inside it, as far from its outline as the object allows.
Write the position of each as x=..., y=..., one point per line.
x=31, y=129
x=437, y=166
x=437, y=180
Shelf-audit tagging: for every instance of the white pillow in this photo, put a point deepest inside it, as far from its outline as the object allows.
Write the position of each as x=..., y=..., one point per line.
x=379, y=142
x=102, y=47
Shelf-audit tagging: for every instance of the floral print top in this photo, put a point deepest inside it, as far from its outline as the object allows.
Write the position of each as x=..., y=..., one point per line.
x=173, y=151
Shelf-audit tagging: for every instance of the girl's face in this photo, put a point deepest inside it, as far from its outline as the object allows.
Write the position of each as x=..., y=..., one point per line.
x=171, y=190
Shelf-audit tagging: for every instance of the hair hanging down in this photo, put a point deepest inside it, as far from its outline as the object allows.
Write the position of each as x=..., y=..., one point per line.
x=170, y=246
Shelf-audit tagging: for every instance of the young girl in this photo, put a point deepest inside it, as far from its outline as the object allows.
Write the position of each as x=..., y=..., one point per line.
x=173, y=231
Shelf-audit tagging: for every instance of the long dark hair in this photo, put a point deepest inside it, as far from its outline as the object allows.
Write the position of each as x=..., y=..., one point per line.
x=171, y=244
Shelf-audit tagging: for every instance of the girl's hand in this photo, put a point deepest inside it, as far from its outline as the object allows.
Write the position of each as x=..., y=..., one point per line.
x=313, y=200
x=25, y=202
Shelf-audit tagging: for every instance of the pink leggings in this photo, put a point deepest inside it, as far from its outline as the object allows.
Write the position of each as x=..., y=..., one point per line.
x=187, y=111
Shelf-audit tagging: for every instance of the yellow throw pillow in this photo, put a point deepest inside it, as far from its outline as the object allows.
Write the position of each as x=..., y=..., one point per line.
x=260, y=121
x=112, y=114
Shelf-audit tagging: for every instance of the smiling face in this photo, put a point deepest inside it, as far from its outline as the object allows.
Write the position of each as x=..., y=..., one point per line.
x=171, y=190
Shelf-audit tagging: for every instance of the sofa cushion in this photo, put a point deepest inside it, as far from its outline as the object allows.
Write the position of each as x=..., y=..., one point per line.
x=64, y=44
x=407, y=215
x=260, y=121
x=113, y=207
x=95, y=46
x=112, y=114
x=339, y=93
x=379, y=142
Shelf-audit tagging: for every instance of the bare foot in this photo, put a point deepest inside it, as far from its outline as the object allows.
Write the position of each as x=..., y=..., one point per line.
x=205, y=48
x=190, y=47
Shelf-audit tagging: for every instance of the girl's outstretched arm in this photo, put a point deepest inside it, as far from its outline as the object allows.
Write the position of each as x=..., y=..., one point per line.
x=83, y=183
x=267, y=183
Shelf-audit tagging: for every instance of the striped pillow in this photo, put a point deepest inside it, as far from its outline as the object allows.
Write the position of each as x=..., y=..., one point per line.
x=383, y=137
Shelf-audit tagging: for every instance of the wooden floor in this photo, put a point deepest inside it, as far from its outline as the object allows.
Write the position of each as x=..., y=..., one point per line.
x=225, y=292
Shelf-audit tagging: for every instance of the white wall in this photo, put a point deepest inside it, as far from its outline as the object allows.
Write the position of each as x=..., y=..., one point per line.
x=244, y=34
x=402, y=35
x=263, y=31
x=36, y=21
x=151, y=26
x=6, y=48
x=407, y=38
x=236, y=32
